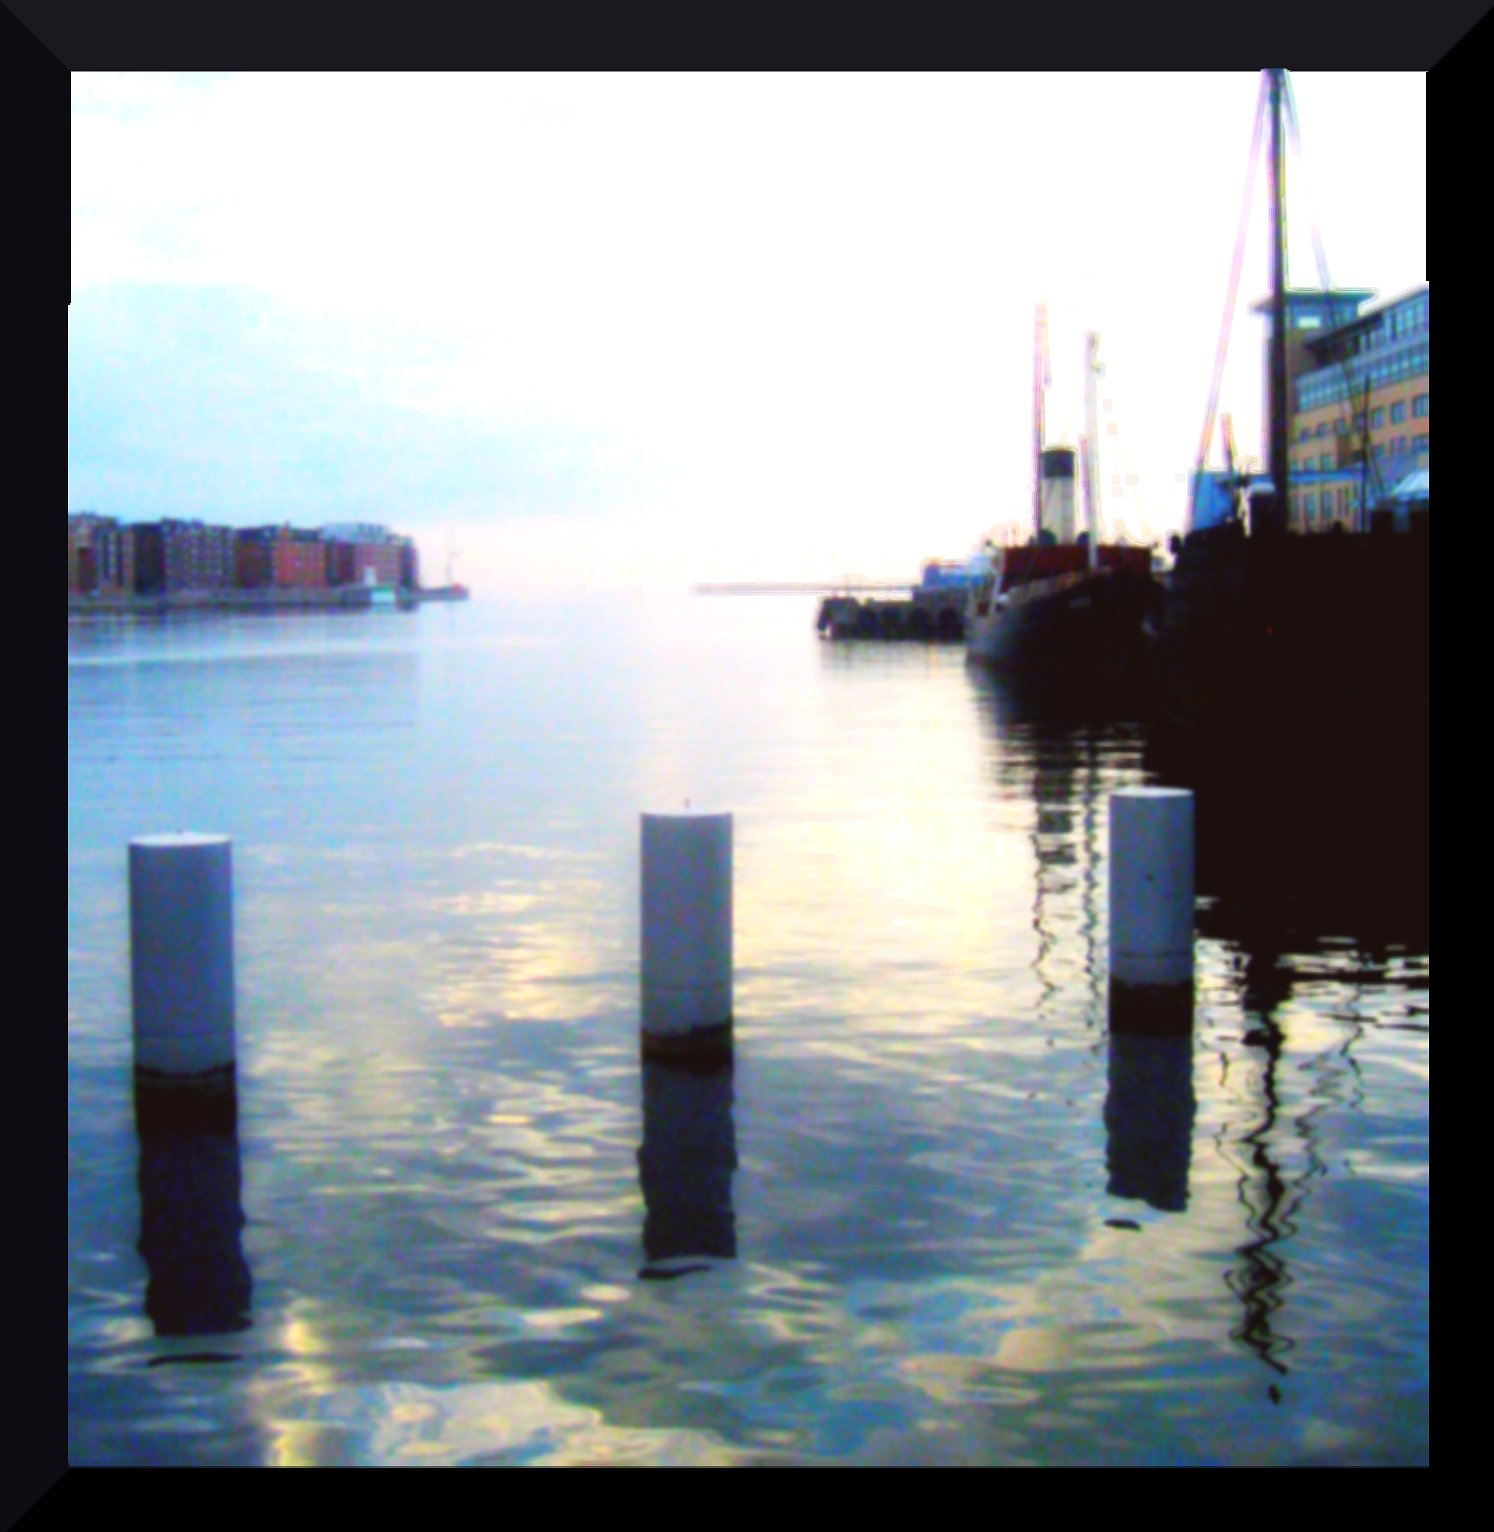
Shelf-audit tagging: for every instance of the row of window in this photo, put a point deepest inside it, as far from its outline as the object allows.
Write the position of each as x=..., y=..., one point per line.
x=1400, y=446
x=1346, y=499
x=1420, y=409
x=1408, y=318
x=1382, y=450
x=1330, y=385
x=1394, y=325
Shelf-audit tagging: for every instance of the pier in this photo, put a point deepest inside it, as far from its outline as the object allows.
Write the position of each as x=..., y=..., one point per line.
x=931, y=616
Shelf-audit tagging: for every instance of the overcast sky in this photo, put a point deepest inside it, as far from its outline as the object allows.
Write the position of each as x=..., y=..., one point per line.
x=637, y=329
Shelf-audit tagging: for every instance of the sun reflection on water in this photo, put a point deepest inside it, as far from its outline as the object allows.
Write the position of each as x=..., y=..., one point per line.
x=938, y=1214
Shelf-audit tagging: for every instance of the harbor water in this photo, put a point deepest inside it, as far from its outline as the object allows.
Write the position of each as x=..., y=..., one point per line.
x=933, y=1213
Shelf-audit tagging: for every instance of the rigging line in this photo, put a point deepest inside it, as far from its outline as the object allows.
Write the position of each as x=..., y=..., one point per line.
x=1369, y=465
x=1294, y=133
x=1221, y=351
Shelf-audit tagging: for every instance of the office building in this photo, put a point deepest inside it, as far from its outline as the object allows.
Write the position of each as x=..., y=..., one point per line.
x=1361, y=403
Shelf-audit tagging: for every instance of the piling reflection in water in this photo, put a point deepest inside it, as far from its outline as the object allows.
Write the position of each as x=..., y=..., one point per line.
x=1149, y=1113
x=1306, y=847
x=1259, y=1277
x=1061, y=747
x=685, y=1168
x=191, y=1222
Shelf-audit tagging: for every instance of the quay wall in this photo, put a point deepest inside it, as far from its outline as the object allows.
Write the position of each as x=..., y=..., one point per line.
x=324, y=598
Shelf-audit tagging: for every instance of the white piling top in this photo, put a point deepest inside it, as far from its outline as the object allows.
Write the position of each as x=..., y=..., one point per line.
x=178, y=839
x=181, y=952
x=686, y=921
x=1152, y=886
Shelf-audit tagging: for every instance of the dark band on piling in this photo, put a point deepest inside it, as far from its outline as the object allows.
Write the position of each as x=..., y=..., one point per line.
x=702, y=1050
x=1151, y=1010
x=196, y=1103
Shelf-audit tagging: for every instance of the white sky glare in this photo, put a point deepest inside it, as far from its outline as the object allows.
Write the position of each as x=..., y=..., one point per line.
x=643, y=329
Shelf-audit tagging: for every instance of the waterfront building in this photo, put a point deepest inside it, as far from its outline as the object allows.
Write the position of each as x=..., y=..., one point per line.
x=105, y=557
x=362, y=553
x=254, y=557
x=362, y=563
x=1361, y=401
x=1370, y=394
x=1311, y=313
x=183, y=555
x=100, y=555
x=283, y=558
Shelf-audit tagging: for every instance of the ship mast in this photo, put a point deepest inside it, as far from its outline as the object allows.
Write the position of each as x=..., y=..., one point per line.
x=1278, y=359
x=1042, y=376
x=1094, y=370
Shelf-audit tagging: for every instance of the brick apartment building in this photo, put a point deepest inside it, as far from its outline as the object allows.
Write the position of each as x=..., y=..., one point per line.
x=156, y=558
x=282, y=558
x=360, y=553
x=183, y=555
x=77, y=540
x=100, y=555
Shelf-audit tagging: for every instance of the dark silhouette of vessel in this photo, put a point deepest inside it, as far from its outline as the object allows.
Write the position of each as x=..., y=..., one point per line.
x=1067, y=605
x=1262, y=626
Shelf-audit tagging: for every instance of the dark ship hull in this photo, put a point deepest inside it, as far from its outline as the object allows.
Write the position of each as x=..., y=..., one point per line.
x=1313, y=631
x=1315, y=634
x=1070, y=620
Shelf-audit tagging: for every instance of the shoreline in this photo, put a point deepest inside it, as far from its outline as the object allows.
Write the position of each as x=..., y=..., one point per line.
x=797, y=587
x=341, y=598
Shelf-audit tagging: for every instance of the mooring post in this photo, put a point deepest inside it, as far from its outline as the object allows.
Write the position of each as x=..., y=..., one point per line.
x=182, y=971
x=1151, y=910
x=687, y=935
